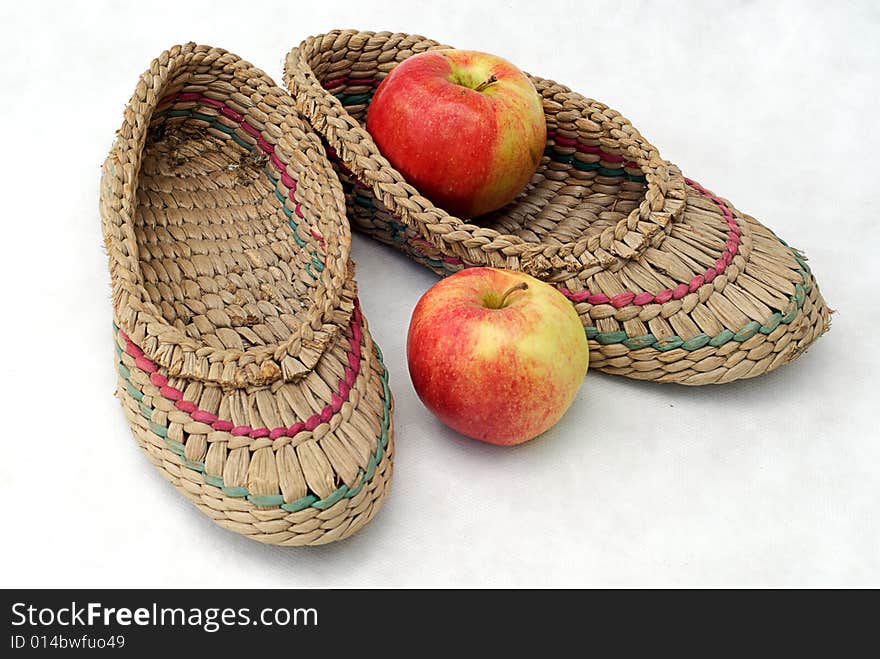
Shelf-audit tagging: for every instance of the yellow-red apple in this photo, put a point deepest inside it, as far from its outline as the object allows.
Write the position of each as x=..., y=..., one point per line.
x=497, y=355
x=465, y=128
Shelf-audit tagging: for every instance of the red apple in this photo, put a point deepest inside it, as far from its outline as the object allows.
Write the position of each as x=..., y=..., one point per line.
x=465, y=128
x=496, y=354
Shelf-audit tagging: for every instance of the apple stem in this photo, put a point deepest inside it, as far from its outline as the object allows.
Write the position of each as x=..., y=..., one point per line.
x=483, y=85
x=518, y=287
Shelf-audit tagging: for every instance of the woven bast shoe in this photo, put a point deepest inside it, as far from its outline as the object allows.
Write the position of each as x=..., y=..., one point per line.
x=245, y=366
x=672, y=283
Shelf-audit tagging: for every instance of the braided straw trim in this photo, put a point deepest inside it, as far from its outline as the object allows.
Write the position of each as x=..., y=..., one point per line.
x=711, y=298
x=267, y=121
x=371, y=55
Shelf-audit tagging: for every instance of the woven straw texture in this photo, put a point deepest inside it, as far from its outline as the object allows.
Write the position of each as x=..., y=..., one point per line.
x=671, y=282
x=246, y=370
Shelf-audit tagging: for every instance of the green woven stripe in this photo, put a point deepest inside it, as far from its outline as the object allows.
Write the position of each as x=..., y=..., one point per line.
x=606, y=338
x=268, y=500
x=241, y=141
x=747, y=331
x=328, y=501
x=386, y=401
x=799, y=295
x=224, y=129
x=579, y=164
x=216, y=481
x=772, y=323
x=790, y=316
x=352, y=491
x=636, y=342
x=696, y=342
x=293, y=225
x=721, y=338
x=569, y=159
x=203, y=117
x=176, y=446
x=380, y=449
x=371, y=468
x=277, y=500
x=365, y=202
x=134, y=392
x=299, y=504
x=801, y=262
x=669, y=343
x=156, y=429
x=354, y=99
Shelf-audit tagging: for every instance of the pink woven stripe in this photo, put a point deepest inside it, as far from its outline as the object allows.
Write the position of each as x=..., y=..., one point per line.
x=338, y=398
x=339, y=82
x=250, y=130
x=645, y=298
x=336, y=160
x=584, y=148
x=285, y=178
x=231, y=114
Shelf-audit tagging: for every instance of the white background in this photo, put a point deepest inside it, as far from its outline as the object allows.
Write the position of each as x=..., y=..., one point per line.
x=768, y=482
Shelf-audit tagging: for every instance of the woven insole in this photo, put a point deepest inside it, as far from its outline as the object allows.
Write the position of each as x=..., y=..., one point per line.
x=213, y=244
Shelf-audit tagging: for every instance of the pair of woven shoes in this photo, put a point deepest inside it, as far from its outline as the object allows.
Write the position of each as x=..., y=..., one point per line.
x=246, y=369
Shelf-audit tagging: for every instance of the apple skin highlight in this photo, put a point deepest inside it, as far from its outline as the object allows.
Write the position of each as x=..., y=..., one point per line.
x=467, y=129
x=499, y=375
